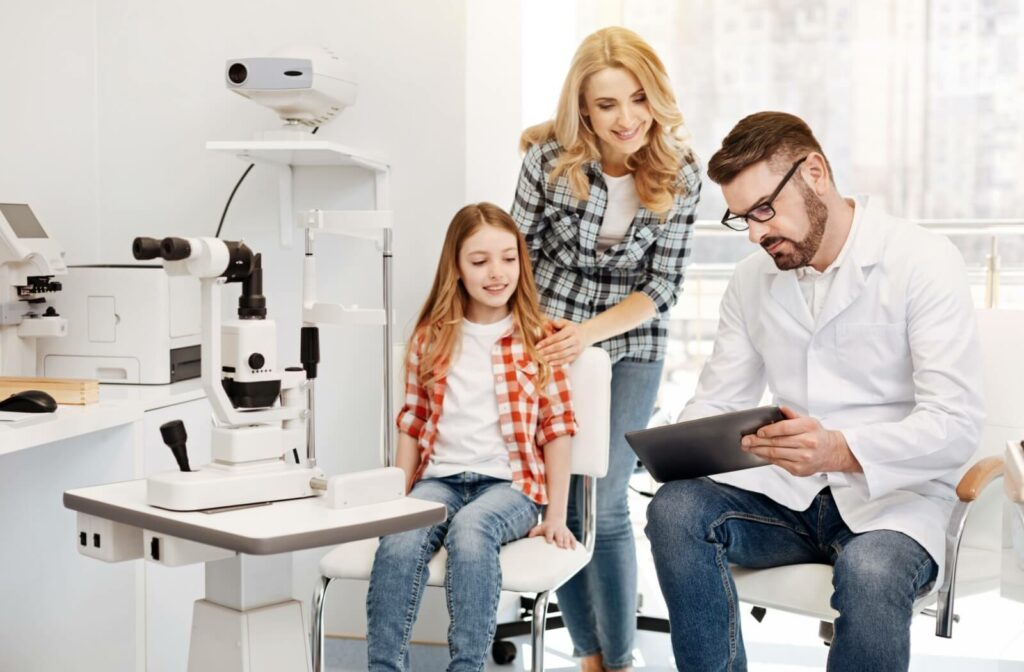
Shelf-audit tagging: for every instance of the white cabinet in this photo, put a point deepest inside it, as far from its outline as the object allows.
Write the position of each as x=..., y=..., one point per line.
x=60, y=610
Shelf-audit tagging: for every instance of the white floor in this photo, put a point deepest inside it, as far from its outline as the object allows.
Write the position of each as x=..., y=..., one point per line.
x=989, y=638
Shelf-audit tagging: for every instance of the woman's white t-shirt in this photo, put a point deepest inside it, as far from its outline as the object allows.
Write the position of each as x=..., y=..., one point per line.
x=623, y=204
x=468, y=434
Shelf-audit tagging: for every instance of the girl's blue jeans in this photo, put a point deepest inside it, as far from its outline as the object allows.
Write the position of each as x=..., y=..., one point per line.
x=483, y=514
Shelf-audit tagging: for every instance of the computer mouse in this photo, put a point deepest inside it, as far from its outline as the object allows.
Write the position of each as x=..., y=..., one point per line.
x=29, y=401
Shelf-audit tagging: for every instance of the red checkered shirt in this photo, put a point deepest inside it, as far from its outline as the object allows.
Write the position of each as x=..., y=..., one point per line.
x=527, y=419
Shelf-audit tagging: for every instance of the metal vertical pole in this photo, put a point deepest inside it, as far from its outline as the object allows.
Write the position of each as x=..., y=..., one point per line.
x=992, y=275
x=381, y=198
x=309, y=295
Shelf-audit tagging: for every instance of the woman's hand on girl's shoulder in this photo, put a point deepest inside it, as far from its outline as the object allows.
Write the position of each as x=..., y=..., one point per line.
x=565, y=344
x=554, y=532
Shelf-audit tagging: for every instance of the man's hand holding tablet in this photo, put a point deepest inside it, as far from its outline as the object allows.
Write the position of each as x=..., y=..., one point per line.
x=801, y=445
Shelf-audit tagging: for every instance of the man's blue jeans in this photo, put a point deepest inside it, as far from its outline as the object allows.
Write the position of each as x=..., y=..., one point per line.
x=697, y=527
x=483, y=514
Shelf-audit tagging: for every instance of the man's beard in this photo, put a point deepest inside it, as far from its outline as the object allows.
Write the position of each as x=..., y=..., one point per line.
x=797, y=254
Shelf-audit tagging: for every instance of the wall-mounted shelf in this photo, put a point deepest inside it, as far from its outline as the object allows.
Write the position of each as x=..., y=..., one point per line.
x=283, y=154
x=300, y=153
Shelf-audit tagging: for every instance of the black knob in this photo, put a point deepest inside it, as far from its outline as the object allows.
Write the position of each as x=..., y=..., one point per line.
x=174, y=436
x=51, y=312
x=146, y=248
x=309, y=350
x=256, y=361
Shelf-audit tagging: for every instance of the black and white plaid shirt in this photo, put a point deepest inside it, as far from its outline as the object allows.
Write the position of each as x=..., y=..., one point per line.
x=574, y=281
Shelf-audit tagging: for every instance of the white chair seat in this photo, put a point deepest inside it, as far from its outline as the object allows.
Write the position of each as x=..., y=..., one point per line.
x=807, y=589
x=535, y=566
x=803, y=589
x=527, y=565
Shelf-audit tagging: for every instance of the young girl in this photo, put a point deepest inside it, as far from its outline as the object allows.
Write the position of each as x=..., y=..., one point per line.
x=606, y=200
x=484, y=430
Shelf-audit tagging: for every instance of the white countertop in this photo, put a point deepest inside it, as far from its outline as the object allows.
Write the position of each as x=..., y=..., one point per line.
x=68, y=421
x=118, y=405
x=154, y=396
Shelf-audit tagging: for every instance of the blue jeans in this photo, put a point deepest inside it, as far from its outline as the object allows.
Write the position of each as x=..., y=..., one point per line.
x=598, y=605
x=483, y=514
x=697, y=527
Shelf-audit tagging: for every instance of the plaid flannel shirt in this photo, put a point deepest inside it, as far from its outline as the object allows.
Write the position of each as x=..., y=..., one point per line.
x=573, y=280
x=528, y=418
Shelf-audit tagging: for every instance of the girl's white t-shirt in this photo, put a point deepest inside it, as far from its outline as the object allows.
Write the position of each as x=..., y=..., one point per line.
x=623, y=204
x=468, y=434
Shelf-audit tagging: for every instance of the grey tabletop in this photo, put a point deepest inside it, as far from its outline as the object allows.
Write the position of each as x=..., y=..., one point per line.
x=277, y=527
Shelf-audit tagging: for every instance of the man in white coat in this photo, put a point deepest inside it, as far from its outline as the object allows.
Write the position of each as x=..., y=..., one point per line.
x=862, y=327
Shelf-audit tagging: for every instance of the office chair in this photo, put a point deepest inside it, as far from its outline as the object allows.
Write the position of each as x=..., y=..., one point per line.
x=974, y=533
x=527, y=565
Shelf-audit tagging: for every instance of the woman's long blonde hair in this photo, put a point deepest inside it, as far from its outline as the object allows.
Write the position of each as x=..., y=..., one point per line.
x=656, y=165
x=439, y=325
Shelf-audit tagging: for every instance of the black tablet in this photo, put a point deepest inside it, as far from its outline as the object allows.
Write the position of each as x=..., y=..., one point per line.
x=701, y=447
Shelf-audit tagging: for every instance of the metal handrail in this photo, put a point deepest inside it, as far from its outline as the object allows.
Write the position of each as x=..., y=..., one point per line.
x=1008, y=226
x=994, y=275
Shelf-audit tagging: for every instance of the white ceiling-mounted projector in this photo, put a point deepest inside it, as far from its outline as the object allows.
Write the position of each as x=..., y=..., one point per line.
x=307, y=87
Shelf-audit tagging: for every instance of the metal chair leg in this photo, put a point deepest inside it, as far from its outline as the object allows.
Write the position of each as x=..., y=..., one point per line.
x=317, y=623
x=827, y=632
x=944, y=605
x=540, y=617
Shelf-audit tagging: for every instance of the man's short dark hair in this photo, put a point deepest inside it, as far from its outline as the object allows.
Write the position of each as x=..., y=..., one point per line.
x=777, y=137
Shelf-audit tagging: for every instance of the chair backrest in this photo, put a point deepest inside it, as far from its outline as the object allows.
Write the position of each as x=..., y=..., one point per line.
x=590, y=378
x=1000, y=332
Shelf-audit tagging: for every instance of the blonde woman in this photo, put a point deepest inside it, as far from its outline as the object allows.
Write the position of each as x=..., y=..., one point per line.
x=606, y=202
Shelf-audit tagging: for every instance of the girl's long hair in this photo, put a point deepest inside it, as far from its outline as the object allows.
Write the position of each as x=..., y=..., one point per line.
x=656, y=165
x=439, y=324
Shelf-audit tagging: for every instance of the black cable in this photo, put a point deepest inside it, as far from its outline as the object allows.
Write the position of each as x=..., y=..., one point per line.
x=232, y=196
x=642, y=493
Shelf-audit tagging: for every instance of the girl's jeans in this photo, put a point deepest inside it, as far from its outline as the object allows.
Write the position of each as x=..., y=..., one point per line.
x=483, y=514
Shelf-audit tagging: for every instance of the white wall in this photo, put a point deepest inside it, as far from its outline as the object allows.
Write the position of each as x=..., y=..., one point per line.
x=494, y=45
x=105, y=108
x=48, y=117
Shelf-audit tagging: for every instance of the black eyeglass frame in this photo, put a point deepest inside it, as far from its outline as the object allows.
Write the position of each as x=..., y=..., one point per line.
x=743, y=226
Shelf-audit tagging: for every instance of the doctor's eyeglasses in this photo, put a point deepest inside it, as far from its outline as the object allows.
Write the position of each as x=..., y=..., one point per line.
x=763, y=211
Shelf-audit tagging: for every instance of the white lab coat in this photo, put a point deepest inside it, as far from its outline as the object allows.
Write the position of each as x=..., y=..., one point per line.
x=892, y=360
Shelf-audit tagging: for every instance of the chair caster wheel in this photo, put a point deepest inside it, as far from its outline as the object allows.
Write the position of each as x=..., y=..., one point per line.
x=503, y=652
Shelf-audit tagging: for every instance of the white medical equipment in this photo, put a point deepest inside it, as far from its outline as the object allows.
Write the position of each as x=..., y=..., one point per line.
x=126, y=324
x=306, y=87
x=259, y=446
x=248, y=620
x=262, y=440
x=29, y=261
x=263, y=453
x=1012, y=575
